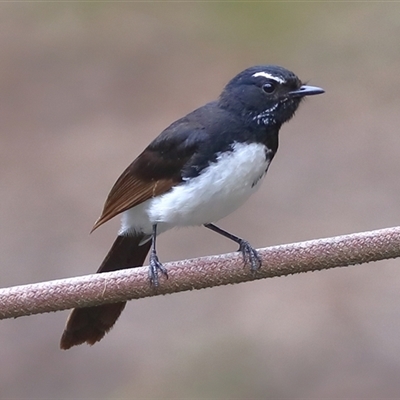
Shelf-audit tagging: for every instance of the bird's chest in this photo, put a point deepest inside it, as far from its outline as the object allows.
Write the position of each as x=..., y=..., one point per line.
x=220, y=189
x=239, y=171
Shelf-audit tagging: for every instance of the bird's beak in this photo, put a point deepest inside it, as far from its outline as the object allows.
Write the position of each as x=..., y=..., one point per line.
x=306, y=90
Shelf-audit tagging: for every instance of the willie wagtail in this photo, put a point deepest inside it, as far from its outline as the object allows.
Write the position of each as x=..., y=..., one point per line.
x=197, y=171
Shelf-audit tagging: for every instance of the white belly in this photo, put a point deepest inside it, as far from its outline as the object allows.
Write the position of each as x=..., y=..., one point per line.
x=219, y=190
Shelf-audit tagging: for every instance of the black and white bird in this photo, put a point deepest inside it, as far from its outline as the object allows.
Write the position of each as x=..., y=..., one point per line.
x=196, y=172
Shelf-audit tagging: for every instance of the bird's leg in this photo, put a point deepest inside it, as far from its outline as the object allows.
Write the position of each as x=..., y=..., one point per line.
x=154, y=263
x=250, y=255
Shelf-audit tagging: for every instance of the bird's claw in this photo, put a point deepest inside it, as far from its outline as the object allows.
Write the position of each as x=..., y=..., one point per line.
x=155, y=266
x=250, y=255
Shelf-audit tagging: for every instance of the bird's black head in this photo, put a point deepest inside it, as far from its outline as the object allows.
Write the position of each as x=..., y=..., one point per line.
x=265, y=94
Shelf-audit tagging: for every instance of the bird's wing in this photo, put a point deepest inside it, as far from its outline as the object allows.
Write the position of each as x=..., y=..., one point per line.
x=155, y=170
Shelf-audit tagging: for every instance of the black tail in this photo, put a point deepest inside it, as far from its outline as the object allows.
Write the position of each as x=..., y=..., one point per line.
x=90, y=324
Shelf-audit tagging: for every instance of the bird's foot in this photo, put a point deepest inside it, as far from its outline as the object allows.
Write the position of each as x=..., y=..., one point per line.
x=155, y=267
x=250, y=255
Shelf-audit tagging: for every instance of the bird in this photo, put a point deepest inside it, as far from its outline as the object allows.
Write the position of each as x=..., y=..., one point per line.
x=198, y=170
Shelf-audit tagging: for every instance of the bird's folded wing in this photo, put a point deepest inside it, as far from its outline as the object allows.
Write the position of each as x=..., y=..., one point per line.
x=154, y=172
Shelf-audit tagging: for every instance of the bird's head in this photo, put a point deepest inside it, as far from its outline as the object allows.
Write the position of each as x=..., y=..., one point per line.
x=266, y=94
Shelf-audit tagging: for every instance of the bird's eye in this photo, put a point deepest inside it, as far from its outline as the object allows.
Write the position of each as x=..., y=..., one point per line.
x=269, y=87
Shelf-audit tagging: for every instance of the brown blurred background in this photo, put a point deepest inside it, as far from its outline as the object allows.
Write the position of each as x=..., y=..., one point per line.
x=85, y=86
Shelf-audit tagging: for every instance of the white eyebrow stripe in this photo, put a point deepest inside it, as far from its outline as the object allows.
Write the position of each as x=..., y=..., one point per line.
x=268, y=76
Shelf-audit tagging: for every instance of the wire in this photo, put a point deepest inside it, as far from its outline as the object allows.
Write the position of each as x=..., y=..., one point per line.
x=91, y=290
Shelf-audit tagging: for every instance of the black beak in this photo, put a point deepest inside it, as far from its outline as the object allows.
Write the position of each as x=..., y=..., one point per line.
x=306, y=90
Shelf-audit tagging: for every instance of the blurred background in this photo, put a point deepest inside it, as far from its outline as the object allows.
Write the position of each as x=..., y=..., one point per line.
x=86, y=86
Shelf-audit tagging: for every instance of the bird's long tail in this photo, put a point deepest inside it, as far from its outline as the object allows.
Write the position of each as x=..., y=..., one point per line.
x=90, y=324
